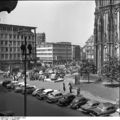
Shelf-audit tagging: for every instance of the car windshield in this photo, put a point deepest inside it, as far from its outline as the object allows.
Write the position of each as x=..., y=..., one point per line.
x=101, y=107
x=59, y=94
x=90, y=103
x=54, y=94
x=76, y=100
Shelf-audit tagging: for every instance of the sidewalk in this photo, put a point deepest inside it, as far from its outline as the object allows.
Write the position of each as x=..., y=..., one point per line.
x=96, y=90
x=89, y=95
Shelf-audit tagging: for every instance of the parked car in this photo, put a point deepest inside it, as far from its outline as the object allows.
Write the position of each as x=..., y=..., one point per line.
x=53, y=76
x=18, y=89
x=12, y=84
x=22, y=84
x=43, y=95
x=59, y=79
x=4, y=83
x=66, y=100
x=78, y=101
x=29, y=89
x=7, y=113
x=37, y=91
x=103, y=109
x=118, y=110
x=90, y=104
x=116, y=113
x=54, y=97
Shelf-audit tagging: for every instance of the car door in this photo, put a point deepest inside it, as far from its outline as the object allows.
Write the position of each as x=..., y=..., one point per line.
x=110, y=110
x=71, y=98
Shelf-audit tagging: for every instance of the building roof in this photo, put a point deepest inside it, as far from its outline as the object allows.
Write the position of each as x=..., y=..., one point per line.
x=11, y=25
x=91, y=39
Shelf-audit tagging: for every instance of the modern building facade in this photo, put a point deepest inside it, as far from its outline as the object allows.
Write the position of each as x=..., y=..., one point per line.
x=83, y=53
x=59, y=52
x=76, y=52
x=106, y=30
x=88, y=49
x=11, y=39
x=40, y=38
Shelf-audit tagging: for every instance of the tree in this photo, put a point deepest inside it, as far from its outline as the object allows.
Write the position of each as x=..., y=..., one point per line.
x=111, y=69
x=86, y=68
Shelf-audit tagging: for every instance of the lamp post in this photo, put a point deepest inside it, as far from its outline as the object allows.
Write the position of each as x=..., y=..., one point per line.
x=24, y=48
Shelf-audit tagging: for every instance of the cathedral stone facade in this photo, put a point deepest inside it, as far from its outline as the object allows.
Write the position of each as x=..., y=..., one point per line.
x=106, y=30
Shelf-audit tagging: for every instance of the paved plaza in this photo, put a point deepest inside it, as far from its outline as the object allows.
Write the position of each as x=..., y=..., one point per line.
x=95, y=91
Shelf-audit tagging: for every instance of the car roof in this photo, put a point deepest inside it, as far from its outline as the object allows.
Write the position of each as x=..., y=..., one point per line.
x=79, y=97
x=14, y=81
x=56, y=92
x=47, y=90
x=92, y=101
x=107, y=104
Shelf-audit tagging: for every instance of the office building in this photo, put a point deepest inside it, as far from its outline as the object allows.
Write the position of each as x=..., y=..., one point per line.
x=54, y=53
x=76, y=53
x=40, y=38
x=11, y=39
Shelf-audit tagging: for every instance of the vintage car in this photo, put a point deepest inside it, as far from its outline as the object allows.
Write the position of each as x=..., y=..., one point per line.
x=54, y=97
x=66, y=100
x=103, y=109
x=78, y=101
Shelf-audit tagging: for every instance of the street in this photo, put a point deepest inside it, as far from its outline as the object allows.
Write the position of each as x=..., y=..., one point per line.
x=15, y=102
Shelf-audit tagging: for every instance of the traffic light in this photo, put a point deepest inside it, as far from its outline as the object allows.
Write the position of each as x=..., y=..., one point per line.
x=29, y=48
x=23, y=48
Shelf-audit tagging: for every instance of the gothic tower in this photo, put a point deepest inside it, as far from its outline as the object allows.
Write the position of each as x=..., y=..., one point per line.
x=106, y=30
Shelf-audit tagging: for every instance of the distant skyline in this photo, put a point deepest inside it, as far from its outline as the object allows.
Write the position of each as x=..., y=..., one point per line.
x=70, y=21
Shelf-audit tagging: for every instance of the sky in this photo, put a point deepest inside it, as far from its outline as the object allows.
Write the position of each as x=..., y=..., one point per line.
x=70, y=21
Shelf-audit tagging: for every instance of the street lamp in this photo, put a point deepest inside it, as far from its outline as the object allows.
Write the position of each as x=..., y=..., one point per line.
x=24, y=48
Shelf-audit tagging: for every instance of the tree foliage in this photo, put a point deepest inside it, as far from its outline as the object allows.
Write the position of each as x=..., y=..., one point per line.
x=87, y=67
x=111, y=69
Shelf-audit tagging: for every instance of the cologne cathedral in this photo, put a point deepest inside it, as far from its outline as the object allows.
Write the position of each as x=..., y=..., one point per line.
x=106, y=30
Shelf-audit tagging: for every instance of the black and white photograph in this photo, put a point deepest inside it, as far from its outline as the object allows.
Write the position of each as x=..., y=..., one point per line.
x=60, y=58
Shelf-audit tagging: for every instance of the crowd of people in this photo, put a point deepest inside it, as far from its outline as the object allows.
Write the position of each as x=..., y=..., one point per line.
x=43, y=72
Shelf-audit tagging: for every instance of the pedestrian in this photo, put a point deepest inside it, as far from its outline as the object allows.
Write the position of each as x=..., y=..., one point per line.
x=70, y=87
x=78, y=91
x=64, y=87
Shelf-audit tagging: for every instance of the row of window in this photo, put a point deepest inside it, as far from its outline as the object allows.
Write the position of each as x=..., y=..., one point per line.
x=44, y=53
x=44, y=50
x=15, y=36
x=61, y=49
x=54, y=53
x=10, y=56
x=18, y=43
x=15, y=49
x=46, y=58
x=10, y=28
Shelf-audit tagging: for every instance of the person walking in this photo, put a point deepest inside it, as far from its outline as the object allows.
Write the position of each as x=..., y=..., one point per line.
x=64, y=88
x=70, y=87
x=78, y=91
